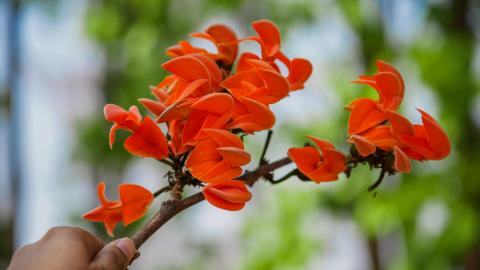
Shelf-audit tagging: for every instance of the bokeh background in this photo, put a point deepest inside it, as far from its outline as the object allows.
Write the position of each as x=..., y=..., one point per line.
x=61, y=60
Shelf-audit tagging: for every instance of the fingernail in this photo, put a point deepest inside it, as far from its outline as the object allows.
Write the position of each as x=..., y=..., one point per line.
x=127, y=247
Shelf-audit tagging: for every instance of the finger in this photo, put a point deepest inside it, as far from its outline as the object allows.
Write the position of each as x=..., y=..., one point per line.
x=72, y=239
x=115, y=256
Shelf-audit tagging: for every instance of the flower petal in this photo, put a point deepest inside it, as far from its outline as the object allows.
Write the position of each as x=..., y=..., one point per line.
x=135, y=202
x=299, y=71
x=218, y=103
x=363, y=146
x=147, y=141
x=364, y=115
x=234, y=156
x=269, y=36
x=402, y=162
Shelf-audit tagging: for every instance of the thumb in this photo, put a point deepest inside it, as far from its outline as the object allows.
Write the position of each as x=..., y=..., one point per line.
x=115, y=255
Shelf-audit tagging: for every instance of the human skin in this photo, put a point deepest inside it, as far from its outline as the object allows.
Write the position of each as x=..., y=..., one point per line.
x=70, y=248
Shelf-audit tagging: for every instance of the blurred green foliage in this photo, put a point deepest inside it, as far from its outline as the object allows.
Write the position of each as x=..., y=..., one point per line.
x=134, y=35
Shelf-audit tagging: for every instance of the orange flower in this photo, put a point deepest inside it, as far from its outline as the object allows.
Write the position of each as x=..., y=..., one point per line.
x=133, y=204
x=229, y=194
x=194, y=75
x=269, y=38
x=218, y=157
x=175, y=129
x=147, y=140
x=420, y=142
x=257, y=80
x=368, y=141
x=366, y=113
x=299, y=70
x=381, y=137
x=250, y=115
x=389, y=84
x=221, y=35
x=319, y=165
x=210, y=111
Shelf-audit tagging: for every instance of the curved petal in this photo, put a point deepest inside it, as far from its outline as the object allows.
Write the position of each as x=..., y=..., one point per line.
x=402, y=162
x=306, y=158
x=218, y=103
x=390, y=90
x=234, y=156
x=243, y=63
x=262, y=115
x=188, y=68
x=299, y=71
x=437, y=138
x=177, y=111
x=114, y=113
x=334, y=160
x=229, y=195
x=387, y=67
x=135, y=202
x=147, y=141
x=364, y=115
x=363, y=146
x=269, y=36
x=277, y=84
x=154, y=107
x=322, y=144
x=400, y=124
x=224, y=138
x=212, y=67
x=112, y=135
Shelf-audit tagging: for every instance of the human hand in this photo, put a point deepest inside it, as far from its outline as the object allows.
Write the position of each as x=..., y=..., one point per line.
x=63, y=248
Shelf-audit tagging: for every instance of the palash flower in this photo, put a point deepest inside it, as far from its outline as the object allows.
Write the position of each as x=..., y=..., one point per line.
x=203, y=102
x=420, y=142
x=175, y=129
x=229, y=194
x=147, y=140
x=320, y=165
x=367, y=113
x=375, y=125
x=250, y=115
x=133, y=204
x=218, y=157
x=381, y=137
x=222, y=36
x=257, y=80
x=269, y=39
x=194, y=75
x=210, y=111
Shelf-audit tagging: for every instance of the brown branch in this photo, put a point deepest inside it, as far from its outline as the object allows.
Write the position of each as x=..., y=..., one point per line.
x=162, y=190
x=172, y=207
x=250, y=177
x=168, y=209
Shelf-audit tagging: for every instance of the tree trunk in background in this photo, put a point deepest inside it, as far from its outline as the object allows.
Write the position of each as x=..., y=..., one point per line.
x=13, y=71
x=374, y=252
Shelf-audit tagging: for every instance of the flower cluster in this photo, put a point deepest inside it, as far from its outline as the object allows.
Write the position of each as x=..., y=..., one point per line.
x=380, y=135
x=211, y=100
x=206, y=105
